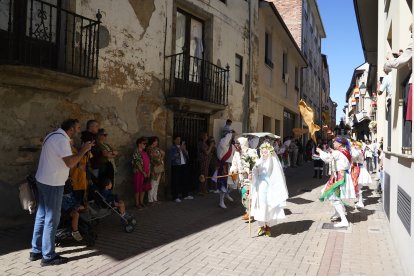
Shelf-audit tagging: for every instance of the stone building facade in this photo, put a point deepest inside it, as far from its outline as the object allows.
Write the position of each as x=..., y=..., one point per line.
x=304, y=22
x=157, y=68
x=279, y=62
x=385, y=27
x=360, y=111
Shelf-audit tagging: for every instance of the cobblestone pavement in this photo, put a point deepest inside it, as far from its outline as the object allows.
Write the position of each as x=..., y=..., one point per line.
x=196, y=237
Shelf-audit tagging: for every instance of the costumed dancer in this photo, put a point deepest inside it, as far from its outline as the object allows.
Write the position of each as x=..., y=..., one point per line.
x=240, y=170
x=364, y=178
x=269, y=192
x=317, y=161
x=339, y=185
x=357, y=160
x=225, y=151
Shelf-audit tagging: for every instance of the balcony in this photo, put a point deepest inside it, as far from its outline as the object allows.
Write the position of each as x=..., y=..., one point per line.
x=196, y=85
x=361, y=116
x=42, y=40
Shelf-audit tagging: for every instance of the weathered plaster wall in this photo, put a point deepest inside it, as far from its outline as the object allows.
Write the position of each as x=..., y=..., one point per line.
x=274, y=94
x=128, y=98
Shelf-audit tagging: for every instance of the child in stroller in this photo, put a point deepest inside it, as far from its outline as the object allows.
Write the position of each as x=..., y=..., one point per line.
x=118, y=206
x=71, y=223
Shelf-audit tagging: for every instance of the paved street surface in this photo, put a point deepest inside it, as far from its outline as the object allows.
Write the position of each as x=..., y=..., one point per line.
x=196, y=237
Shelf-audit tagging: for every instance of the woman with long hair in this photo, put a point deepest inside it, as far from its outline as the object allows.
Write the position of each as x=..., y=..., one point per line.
x=156, y=156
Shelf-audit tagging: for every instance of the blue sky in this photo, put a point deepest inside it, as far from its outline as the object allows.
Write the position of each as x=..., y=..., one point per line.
x=342, y=46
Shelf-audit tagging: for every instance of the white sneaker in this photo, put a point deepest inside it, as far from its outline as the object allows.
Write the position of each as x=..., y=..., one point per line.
x=216, y=191
x=341, y=224
x=360, y=205
x=177, y=200
x=77, y=236
x=189, y=197
x=222, y=206
x=229, y=198
x=334, y=218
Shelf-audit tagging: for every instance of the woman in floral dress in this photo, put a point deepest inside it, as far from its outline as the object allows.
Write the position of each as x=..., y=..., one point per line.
x=156, y=156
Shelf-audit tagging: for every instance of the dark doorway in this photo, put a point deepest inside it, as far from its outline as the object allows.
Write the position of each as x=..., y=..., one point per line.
x=189, y=126
x=288, y=123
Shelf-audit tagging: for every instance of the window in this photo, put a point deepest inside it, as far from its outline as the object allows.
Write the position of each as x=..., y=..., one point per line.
x=297, y=78
x=189, y=34
x=277, y=127
x=288, y=122
x=268, y=50
x=238, y=69
x=31, y=34
x=267, y=124
x=406, y=120
x=285, y=66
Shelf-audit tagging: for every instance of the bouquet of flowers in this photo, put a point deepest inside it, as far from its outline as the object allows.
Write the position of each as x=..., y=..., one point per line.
x=249, y=159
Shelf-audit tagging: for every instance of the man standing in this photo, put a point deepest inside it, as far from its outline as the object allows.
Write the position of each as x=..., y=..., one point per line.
x=55, y=160
x=368, y=156
x=178, y=156
x=91, y=134
x=225, y=152
x=374, y=149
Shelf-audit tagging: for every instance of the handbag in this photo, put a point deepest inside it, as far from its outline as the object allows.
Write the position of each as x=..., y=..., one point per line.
x=159, y=168
x=27, y=195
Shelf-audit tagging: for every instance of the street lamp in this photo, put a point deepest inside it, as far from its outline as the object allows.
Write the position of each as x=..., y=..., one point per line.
x=363, y=89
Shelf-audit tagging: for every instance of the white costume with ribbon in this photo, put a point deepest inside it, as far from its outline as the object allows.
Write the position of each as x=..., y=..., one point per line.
x=269, y=191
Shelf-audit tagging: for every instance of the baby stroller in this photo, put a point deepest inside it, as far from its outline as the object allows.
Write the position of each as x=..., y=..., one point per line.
x=99, y=208
x=64, y=231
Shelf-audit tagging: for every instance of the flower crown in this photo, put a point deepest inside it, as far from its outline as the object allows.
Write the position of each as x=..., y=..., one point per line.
x=267, y=146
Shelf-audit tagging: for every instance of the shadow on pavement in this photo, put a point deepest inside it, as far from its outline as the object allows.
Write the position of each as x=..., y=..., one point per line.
x=299, y=200
x=16, y=238
x=167, y=222
x=299, y=180
x=291, y=228
x=163, y=224
x=288, y=212
x=358, y=216
x=369, y=197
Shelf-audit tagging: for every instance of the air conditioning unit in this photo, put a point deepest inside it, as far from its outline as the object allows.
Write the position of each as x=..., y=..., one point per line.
x=286, y=78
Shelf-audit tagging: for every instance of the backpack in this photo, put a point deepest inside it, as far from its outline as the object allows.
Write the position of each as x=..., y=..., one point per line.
x=27, y=194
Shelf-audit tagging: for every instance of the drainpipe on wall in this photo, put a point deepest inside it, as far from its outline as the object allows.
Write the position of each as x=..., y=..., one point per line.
x=249, y=82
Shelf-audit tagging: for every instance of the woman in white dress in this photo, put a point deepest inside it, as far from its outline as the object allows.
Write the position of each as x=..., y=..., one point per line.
x=269, y=192
x=363, y=179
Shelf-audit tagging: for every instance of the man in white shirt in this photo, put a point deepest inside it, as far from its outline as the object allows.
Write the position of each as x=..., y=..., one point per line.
x=386, y=85
x=374, y=149
x=55, y=161
x=404, y=59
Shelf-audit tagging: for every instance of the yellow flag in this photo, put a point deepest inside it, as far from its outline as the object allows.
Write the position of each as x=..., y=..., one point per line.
x=307, y=114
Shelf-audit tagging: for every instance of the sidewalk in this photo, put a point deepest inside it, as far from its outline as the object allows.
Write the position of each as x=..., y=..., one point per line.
x=196, y=237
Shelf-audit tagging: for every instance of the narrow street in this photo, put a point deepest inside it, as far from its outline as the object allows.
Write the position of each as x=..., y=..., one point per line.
x=198, y=238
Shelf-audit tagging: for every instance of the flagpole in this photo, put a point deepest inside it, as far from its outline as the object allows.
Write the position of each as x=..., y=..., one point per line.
x=249, y=209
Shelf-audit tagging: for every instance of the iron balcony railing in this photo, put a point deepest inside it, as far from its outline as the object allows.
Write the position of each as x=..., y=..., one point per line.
x=43, y=34
x=196, y=78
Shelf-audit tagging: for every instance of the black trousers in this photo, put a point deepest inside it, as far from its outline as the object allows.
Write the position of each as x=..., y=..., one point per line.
x=179, y=181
